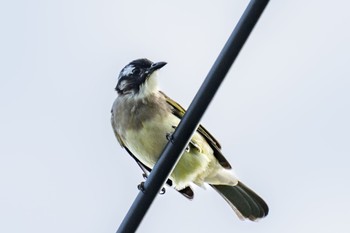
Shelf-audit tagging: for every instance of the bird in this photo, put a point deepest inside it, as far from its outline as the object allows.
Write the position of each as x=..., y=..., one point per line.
x=142, y=119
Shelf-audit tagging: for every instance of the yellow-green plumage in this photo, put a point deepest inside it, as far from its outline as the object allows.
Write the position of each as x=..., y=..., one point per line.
x=142, y=120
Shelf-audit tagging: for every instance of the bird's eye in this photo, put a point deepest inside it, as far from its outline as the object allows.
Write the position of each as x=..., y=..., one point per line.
x=136, y=71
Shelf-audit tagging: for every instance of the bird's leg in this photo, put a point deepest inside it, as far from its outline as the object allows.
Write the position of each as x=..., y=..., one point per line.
x=169, y=137
x=144, y=174
x=141, y=186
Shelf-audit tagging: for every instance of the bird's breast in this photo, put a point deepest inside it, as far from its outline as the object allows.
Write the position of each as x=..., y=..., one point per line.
x=144, y=126
x=148, y=141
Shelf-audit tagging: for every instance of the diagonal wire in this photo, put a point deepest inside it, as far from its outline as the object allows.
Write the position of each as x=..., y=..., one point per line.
x=190, y=121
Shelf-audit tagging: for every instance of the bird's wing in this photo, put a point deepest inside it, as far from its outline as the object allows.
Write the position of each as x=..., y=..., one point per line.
x=179, y=111
x=187, y=191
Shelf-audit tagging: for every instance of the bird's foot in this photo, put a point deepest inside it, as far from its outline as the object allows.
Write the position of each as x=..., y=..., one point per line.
x=144, y=175
x=141, y=187
x=162, y=191
x=169, y=137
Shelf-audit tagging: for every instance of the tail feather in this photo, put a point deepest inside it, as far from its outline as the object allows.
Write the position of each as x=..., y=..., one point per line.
x=244, y=201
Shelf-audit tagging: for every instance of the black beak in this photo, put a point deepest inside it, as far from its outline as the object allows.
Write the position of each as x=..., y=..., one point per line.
x=156, y=66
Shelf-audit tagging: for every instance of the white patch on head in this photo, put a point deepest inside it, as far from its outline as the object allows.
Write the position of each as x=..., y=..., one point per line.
x=149, y=87
x=127, y=70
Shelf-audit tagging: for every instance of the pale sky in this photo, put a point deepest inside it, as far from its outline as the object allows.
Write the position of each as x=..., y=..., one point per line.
x=282, y=114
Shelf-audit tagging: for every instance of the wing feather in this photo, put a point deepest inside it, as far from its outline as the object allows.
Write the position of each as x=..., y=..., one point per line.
x=179, y=111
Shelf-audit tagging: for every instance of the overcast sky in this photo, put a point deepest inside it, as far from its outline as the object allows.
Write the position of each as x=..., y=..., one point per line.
x=282, y=114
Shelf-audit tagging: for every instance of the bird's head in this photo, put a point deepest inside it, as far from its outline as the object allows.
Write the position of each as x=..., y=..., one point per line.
x=138, y=78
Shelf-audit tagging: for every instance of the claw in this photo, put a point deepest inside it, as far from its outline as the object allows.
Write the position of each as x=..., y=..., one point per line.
x=141, y=186
x=162, y=191
x=144, y=175
x=169, y=137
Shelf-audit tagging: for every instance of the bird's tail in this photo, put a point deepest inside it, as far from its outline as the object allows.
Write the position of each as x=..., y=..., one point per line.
x=244, y=201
